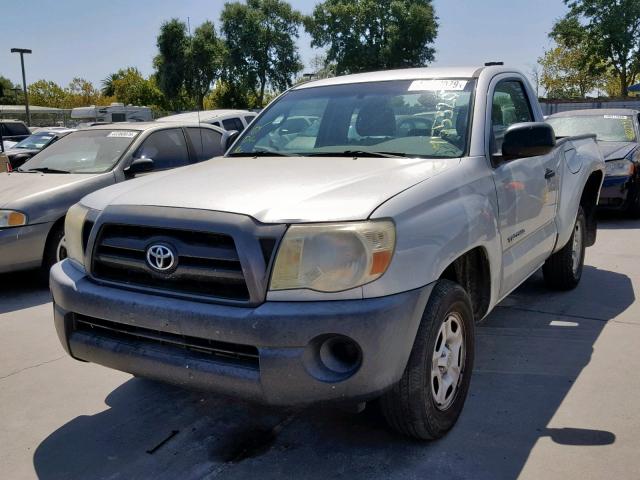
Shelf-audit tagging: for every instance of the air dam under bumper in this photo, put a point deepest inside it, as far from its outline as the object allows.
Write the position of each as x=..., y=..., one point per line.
x=286, y=337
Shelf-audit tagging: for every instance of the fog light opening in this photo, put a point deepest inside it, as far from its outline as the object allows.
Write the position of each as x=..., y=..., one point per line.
x=340, y=354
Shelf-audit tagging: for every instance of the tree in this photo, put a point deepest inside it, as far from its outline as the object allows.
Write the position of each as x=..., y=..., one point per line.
x=82, y=93
x=260, y=41
x=131, y=88
x=366, y=35
x=611, y=29
x=567, y=74
x=171, y=61
x=205, y=58
x=47, y=94
x=107, y=87
x=10, y=93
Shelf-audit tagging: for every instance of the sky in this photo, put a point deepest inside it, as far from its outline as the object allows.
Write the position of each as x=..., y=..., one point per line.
x=93, y=38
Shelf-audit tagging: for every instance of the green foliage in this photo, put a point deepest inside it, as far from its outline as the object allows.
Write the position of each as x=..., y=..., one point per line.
x=260, y=42
x=366, y=35
x=171, y=61
x=8, y=94
x=131, y=88
x=79, y=93
x=205, y=57
x=608, y=31
x=568, y=72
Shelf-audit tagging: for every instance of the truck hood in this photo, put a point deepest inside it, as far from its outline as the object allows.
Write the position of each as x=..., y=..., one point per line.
x=18, y=188
x=616, y=150
x=277, y=189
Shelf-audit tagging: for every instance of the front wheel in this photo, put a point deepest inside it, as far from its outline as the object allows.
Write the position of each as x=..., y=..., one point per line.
x=429, y=397
x=55, y=250
x=563, y=269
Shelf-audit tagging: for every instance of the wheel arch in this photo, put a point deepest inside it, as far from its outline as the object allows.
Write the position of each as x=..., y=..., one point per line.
x=472, y=271
x=589, y=202
x=47, y=243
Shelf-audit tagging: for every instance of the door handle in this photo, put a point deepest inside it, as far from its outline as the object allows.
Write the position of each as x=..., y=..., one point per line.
x=548, y=173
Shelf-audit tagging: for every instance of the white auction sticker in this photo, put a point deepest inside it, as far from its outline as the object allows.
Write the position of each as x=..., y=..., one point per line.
x=425, y=85
x=122, y=134
x=616, y=117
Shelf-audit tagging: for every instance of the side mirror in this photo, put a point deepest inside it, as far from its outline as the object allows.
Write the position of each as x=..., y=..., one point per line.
x=139, y=165
x=531, y=139
x=233, y=135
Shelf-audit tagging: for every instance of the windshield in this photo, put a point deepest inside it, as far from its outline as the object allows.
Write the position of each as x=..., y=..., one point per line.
x=607, y=128
x=409, y=118
x=86, y=151
x=36, y=141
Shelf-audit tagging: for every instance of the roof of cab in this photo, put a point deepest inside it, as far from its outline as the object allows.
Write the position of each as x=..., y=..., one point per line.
x=595, y=111
x=407, y=74
x=204, y=115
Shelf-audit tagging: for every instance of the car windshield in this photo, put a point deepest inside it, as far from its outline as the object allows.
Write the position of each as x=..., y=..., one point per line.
x=37, y=141
x=85, y=151
x=406, y=118
x=607, y=128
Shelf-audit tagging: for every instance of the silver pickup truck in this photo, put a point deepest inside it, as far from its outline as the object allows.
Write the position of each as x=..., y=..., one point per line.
x=342, y=250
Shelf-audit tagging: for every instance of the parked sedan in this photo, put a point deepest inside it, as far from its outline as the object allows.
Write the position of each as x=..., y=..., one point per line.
x=618, y=134
x=34, y=198
x=27, y=148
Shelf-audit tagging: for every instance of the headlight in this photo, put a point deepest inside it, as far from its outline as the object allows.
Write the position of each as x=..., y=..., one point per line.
x=11, y=218
x=619, y=168
x=333, y=257
x=73, y=224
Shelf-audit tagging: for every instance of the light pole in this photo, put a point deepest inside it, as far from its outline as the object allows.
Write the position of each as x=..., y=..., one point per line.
x=22, y=51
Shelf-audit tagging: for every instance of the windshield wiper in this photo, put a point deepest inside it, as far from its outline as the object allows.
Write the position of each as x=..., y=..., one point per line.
x=259, y=153
x=44, y=170
x=358, y=153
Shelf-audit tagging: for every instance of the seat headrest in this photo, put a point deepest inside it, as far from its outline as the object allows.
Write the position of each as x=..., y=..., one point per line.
x=376, y=119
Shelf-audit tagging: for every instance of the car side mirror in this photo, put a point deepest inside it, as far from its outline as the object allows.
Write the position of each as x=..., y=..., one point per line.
x=139, y=165
x=232, y=137
x=531, y=139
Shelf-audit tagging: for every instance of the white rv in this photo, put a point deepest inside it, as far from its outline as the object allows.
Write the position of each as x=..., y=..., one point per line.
x=116, y=112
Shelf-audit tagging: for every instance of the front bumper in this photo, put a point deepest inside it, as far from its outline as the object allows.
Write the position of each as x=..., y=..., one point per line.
x=22, y=248
x=615, y=191
x=284, y=334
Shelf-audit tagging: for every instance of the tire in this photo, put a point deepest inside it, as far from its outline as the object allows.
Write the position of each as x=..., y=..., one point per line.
x=633, y=206
x=414, y=406
x=54, y=250
x=563, y=269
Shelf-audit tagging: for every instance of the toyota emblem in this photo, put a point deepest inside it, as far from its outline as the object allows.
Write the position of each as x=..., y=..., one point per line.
x=161, y=258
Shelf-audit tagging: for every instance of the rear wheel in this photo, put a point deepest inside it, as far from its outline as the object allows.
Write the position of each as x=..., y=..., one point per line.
x=429, y=397
x=563, y=269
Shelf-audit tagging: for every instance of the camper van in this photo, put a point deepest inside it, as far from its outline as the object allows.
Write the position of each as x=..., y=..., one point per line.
x=116, y=112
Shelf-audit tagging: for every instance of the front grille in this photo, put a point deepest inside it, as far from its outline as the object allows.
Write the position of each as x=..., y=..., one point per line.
x=208, y=263
x=201, y=348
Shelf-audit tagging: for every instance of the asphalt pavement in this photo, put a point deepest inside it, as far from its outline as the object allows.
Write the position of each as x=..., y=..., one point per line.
x=555, y=395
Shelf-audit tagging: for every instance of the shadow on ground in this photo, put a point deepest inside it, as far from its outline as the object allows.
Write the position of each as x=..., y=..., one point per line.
x=525, y=366
x=20, y=290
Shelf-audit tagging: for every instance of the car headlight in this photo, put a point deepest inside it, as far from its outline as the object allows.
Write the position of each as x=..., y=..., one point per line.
x=619, y=167
x=333, y=257
x=12, y=218
x=73, y=224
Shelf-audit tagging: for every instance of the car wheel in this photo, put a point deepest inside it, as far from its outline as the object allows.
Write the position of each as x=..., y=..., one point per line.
x=56, y=249
x=563, y=269
x=426, y=402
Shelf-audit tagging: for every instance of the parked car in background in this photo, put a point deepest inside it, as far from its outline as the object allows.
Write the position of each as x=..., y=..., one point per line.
x=27, y=148
x=349, y=260
x=618, y=135
x=34, y=198
x=13, y=131
x=228, y=119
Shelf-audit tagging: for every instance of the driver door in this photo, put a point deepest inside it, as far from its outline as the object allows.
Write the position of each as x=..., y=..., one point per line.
x=527, y=190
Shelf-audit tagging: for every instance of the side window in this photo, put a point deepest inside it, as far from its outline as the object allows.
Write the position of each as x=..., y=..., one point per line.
x=510, y=105
x=249, y=119
x=233, y=124
x=167, y=149
x=216, y=124
x=206, y=143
